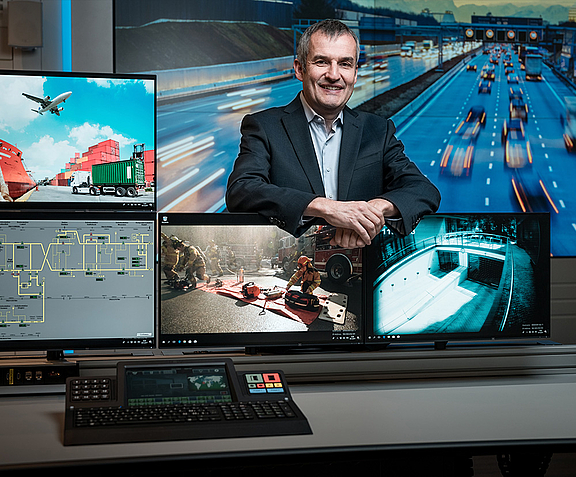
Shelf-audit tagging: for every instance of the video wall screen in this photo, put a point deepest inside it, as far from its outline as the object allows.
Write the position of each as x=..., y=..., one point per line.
x=74, y=139
x=492, y=136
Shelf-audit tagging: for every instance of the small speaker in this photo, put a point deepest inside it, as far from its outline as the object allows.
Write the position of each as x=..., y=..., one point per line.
x=24, y=24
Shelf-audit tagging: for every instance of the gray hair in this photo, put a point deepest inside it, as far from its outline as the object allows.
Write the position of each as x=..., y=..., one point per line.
x=332, y=29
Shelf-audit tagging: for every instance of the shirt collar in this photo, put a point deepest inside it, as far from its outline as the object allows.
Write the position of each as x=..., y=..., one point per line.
x=311, y=114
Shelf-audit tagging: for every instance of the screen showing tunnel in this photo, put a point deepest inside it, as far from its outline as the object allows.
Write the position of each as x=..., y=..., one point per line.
x=460, y=277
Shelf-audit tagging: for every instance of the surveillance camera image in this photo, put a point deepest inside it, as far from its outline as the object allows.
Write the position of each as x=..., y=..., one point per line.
x=461, y=276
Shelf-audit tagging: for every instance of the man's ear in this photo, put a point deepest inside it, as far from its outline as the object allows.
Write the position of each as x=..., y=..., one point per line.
x=298, y=69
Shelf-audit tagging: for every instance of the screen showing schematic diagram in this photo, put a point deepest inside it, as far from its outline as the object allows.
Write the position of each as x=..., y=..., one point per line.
x=88, y=279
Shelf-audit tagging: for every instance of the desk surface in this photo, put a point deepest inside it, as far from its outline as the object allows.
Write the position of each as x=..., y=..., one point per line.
x=386, y=416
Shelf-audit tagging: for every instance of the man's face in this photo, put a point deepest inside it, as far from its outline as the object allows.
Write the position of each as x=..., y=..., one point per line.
x=330, y=75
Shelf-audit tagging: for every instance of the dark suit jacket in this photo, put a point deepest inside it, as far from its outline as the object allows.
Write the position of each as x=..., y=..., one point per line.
x=277, y=174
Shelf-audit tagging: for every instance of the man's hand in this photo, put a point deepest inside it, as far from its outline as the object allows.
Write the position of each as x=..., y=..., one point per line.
x=365, y=220
x=356, y=222
x=346, y=238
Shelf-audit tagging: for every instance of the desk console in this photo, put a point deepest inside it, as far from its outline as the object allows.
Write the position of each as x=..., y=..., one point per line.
x=162, y=400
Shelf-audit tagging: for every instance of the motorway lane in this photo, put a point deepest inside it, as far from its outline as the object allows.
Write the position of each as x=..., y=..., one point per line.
x=490, y=182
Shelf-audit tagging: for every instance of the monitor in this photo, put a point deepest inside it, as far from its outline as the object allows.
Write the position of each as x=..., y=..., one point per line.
x=71, y=281
x=223, y=280
x=74, y=139
x=460, y=277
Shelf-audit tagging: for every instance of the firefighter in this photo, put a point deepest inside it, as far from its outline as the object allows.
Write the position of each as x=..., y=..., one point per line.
x=307, y=273
x=191, y=260
x=213, y=255
x=170, y=255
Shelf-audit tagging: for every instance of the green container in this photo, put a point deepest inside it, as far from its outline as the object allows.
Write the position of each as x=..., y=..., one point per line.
x=125, y=173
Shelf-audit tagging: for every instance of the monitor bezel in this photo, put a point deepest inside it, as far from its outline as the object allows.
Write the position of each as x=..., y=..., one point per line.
x=249, y=342
x=59, y=348
x=123, y=205
x=442, y=340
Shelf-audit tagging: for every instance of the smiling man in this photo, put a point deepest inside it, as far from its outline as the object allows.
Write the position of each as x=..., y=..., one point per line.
x=316, y=158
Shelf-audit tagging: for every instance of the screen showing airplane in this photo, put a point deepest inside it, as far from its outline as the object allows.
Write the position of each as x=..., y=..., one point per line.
x=69, y=140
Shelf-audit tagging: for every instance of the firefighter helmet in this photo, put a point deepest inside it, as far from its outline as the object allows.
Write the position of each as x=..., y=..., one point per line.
x=303, y=261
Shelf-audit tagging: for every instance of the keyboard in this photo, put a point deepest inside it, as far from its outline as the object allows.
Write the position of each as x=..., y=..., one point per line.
x=176, y=401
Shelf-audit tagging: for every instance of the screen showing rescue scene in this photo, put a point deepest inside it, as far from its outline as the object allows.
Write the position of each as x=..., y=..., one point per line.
x=241, y=284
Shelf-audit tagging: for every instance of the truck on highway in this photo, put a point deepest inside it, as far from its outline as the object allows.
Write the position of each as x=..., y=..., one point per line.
x=408, y=48
x=120, y=178
x=569, y=123
x=533, y=67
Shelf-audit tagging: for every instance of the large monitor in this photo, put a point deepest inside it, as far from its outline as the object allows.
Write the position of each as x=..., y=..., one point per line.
x=71, y=281
x=460, y=277
x=223, y=283
x=73, y=139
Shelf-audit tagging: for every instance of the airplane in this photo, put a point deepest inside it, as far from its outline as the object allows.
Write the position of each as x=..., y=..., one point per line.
x=47, y=104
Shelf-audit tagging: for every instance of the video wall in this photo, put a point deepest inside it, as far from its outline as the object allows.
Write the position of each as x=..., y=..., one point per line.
x=491, y=140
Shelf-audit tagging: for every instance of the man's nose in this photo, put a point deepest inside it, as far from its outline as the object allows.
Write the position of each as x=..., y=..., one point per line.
x=333, y=71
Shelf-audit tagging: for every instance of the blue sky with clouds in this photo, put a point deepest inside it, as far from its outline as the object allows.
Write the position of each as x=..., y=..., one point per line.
x=98, y=109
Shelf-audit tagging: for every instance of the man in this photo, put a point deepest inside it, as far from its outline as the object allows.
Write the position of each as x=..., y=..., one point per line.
x=213, y=255
x=316, y=158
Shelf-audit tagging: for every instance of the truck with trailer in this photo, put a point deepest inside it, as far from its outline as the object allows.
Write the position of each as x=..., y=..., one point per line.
x=120, y=178
x=533, y=67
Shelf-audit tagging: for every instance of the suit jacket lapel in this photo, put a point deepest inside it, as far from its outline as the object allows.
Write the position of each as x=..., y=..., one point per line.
x=297, y=129
x=351, y=136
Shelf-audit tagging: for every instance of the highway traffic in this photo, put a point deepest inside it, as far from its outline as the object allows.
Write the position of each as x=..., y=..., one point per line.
x=198, y=139
x=537, y=176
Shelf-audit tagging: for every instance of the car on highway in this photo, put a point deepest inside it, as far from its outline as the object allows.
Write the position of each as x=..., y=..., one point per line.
x=476, y=114
x=470, y=67
x=508, y=70
x=518, y=109
x=512, y=79
x=517, y=152
x=531, y=192
x=485, y=86
x=458, y=157
x=489, y=74
x=515, y=91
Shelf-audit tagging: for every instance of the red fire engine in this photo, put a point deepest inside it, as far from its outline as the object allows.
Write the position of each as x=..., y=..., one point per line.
x=339, y=264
